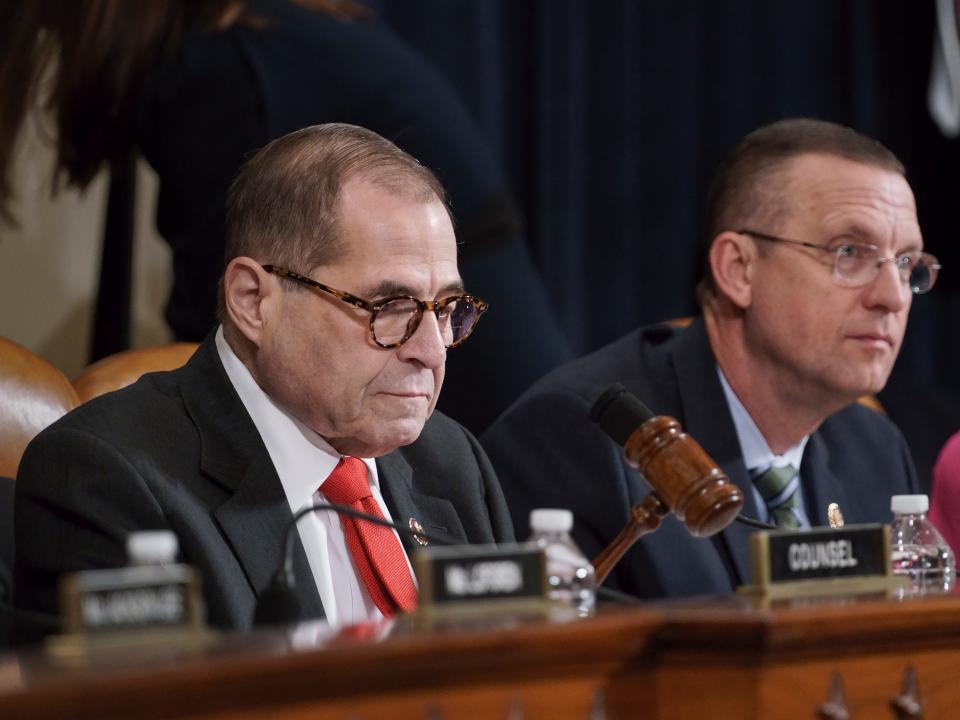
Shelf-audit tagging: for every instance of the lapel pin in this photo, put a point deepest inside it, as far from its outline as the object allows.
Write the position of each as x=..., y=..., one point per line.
x=834, y=516
x=418, y=531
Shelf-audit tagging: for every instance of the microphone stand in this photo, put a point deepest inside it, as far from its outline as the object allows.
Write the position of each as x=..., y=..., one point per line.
x=278, y=603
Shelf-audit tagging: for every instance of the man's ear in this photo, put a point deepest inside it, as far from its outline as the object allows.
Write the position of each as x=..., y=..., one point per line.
x=247, y=294
x=733, y=260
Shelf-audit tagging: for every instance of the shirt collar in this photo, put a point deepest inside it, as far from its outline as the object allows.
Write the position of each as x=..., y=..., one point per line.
x=756, y=452
x=301, y=457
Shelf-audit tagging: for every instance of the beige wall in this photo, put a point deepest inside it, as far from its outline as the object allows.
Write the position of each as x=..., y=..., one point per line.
x=49, y=265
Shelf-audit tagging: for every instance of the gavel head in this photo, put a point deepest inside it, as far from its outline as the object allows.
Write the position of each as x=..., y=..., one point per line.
x=682, y=475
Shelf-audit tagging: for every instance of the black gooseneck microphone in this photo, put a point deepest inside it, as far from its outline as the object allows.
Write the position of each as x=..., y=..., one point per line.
x=278, y=604
x=619, y=412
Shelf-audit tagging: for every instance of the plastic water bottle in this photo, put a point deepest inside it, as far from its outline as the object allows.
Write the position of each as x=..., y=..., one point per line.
x=919, y=551
x=570, y=576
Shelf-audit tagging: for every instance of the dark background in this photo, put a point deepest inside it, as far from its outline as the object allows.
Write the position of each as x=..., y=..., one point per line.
x=610, y=117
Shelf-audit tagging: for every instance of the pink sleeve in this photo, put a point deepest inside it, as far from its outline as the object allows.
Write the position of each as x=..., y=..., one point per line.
x=945, y=500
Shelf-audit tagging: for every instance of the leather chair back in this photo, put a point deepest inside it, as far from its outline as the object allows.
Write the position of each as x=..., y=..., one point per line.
x=124, y=368
x=33, y=393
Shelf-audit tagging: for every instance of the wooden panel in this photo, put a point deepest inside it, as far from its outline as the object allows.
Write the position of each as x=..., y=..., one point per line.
x=522, y=701
x=247, y=675
x=734, y=659
x=870, y=683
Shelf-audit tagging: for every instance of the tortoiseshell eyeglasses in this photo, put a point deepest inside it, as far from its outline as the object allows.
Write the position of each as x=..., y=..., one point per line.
x=395, y=319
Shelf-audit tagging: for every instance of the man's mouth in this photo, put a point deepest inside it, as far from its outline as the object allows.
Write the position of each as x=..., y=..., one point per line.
x=878, y=340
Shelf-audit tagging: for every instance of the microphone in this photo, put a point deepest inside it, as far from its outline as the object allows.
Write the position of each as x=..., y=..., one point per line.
x=278, y=604
x=682, y=475
x=619, y=413
x=684, y=479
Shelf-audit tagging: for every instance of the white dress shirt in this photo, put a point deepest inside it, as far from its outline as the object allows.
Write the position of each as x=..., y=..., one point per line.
x=757, y=453
x=303, y=460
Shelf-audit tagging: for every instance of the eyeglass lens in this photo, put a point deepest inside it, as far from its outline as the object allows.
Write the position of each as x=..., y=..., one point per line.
x=401, y=317
x=860, y=264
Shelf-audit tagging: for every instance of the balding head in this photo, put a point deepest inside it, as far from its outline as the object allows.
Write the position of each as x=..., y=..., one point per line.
x=750, y=186
x=283, y=206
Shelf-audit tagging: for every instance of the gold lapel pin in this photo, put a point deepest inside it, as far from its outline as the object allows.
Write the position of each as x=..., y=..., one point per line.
x=834, y=516
x=418, y=531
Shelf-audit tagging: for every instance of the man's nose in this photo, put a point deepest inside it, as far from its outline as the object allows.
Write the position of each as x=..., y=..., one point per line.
x=888, y=290
x=426, y=344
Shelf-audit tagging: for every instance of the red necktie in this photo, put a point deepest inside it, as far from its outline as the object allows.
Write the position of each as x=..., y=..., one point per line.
x=376, y=552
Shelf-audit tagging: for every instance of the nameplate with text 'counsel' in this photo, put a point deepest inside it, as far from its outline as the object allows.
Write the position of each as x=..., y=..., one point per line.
x=854, y=558
x=480, y=576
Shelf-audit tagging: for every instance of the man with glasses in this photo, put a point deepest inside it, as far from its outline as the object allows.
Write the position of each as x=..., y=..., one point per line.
x=338, y=304
x=813, y=254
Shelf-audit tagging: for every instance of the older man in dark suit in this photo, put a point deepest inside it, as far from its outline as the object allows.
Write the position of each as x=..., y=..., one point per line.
x=813, y=255
x=339, y=301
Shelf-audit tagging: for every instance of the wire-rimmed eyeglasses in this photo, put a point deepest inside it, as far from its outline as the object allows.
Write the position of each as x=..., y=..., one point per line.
x=856, y=264
x=395, y=319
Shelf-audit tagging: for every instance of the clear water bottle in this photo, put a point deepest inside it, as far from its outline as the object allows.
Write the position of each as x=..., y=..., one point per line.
x=570, y=576
x=919, y=551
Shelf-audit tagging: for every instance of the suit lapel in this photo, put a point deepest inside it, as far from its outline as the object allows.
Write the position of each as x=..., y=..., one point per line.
x=406, y=503
x=255, y=516
x=820, y=486
x=707, y=420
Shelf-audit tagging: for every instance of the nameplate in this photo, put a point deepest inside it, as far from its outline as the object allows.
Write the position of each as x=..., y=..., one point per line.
x=131, y=598
x=820, y=554
x=480, y=575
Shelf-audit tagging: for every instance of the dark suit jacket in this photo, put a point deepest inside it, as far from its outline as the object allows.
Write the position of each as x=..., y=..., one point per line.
x=548, y=453
x=6, y=556
x=178, y=450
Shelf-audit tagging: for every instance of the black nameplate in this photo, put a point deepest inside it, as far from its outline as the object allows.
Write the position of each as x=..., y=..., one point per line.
x=789, y=556
x=96, y=601
x=147, y=606
x=479, y=573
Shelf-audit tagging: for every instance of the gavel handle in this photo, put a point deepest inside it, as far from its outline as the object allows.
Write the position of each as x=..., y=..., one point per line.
x=645, y=517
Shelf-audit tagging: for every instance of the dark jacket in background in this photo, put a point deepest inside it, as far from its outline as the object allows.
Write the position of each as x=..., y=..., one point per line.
x=223, y=95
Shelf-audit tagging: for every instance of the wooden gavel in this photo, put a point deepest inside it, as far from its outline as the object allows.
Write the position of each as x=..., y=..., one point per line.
x=685, y=480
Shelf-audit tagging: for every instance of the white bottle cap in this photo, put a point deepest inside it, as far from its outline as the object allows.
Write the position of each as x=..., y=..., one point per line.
x=909, y=504
x=152, y=547
x=551, y=520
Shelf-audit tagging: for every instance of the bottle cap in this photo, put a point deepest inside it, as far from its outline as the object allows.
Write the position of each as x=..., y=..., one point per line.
x=152, y=547
x=551, y=520
x=909, y=504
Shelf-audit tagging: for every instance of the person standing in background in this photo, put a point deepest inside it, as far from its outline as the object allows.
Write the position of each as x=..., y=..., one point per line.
x=198, y=85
